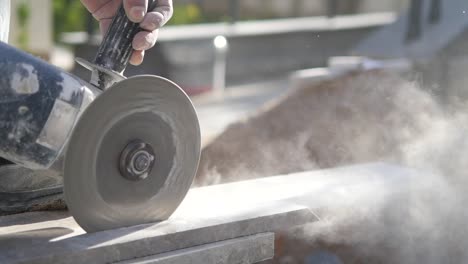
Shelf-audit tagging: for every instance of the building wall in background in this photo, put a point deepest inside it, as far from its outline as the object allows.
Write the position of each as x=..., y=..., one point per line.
x=368, y=6
x=291, y=8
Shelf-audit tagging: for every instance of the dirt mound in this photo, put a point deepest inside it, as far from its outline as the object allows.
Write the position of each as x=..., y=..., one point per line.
x=360, y=117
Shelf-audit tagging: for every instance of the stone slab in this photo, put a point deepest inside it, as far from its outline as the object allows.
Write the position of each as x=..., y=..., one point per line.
x=245, y=250
x=208, y=215
x=62, y=241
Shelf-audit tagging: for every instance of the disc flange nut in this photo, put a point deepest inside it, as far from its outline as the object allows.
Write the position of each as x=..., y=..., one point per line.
x=137, y=160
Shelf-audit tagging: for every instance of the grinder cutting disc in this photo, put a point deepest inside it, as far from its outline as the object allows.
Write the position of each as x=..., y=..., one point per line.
x=132, y=156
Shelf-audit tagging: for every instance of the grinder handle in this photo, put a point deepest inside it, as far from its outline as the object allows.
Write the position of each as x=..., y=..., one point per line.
x=116, y=48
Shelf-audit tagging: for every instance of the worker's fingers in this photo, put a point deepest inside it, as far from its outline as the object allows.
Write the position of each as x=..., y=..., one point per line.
x=159, y=16
x=104, y=25
x=94, y=5
x=145, y=40
x=105, y=9
x=135, y=9
x=137, y=57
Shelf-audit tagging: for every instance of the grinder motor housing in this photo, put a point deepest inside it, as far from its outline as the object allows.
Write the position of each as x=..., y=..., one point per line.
x=40, y=103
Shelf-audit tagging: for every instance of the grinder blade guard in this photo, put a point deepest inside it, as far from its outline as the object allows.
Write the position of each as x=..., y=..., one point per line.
x=132, y=156
x=131, y=146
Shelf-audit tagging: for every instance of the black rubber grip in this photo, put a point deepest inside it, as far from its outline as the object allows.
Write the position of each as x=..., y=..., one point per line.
x=116, y=48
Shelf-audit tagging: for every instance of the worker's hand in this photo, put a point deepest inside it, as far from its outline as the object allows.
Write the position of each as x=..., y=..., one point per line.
x=104, y=11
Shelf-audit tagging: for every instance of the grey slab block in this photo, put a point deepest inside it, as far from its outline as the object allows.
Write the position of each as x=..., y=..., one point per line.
x=316, y=190
x=244, y=250
x=50, y=244
x=209, y=215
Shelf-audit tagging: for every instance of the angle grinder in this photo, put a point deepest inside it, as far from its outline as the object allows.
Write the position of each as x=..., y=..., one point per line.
x=128, y=147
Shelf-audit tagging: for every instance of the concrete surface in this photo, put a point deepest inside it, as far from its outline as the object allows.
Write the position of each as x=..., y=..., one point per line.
x=48, y=242
x=56, y=238
x=211, y=214
x=245, y=250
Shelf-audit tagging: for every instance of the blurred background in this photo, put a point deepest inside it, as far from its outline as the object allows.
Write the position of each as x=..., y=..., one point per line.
x=236, y=57
x=282, y=86
x=261, y=32
x=260, y=44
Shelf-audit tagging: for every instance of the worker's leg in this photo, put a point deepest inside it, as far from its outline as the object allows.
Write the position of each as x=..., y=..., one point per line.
x=23, y=190
x=4, y=30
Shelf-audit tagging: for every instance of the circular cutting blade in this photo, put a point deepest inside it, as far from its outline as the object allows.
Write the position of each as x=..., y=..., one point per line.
x=145, y=108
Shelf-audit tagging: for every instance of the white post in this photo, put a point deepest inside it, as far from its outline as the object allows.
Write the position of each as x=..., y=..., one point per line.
x=219, y=71
x=39, y=26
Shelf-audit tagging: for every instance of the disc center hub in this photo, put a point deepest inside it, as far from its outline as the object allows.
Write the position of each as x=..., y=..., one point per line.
x=141, y=161
x=137, y=160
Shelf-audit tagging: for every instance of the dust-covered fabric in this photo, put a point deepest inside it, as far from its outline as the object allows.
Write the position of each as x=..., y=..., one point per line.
x=4, y=19
x=24, y=190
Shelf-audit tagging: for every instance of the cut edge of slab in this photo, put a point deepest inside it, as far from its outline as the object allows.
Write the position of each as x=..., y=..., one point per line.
x=140, y=241
x=249, y=249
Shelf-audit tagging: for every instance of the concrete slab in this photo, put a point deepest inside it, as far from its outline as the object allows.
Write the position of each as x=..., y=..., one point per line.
x=245, y=250
x=313, y=189
x=208, y=215
x=47, y=242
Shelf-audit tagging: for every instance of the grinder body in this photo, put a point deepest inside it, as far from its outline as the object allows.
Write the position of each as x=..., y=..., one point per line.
x=39, y=105
x=128, y=148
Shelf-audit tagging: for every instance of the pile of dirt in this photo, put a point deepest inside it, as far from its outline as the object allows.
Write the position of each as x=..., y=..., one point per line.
x=361, y=117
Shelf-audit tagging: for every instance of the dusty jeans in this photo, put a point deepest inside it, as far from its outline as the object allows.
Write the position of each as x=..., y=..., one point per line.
x=4, y=19
x=4, y=28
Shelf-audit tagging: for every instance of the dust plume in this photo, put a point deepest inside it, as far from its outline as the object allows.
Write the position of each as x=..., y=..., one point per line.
x=362, y=117
x=357, y=118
